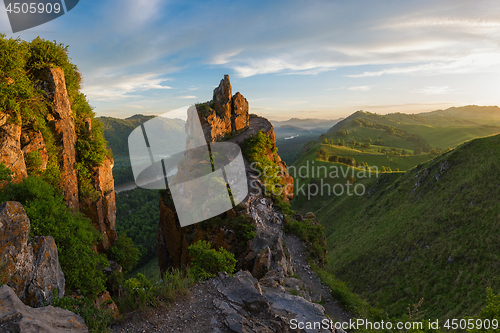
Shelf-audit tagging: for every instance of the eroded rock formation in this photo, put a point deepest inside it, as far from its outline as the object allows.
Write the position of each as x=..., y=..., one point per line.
x=16, y=317
x=18, y=142
x=224, y=115
x=31, y=268
x=10, y=147
x=102, y=211
x=62, y=120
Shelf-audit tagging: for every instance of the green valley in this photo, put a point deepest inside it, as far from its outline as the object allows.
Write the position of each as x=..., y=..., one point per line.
x=429, y=233
x=425, y=225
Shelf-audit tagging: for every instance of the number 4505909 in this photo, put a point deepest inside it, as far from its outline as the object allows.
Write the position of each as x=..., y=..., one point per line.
x=33, y=8
x=470, y=323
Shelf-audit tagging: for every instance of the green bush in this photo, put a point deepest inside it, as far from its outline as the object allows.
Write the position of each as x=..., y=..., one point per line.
x=207, y=262
x=97, y=320
x=5, y=173
x=141, y=292
x=33, y=161
x=284, y=206
x=124, y=252
x=73, y=233
x=489, y=312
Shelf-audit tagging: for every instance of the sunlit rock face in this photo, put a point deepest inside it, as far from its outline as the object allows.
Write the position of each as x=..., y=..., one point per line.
x=226, y=118
x=18, y=142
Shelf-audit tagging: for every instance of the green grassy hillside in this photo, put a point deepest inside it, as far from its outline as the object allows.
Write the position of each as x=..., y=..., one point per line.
x=309, y=169
x=397, y=141
x=429, y=233
x=439, y=129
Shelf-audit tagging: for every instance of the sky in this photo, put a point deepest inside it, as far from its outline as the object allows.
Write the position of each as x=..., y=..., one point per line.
x=301, y=59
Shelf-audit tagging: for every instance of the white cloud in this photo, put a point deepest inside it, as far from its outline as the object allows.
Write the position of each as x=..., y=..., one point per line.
x=281, y=65
x=359, y=88
x=456, y=23
x=186, y=97
x=114, y=86
x=433, y=90
x=224, y=58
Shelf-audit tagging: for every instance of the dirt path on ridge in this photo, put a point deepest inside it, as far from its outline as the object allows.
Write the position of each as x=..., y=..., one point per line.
x=332, y=307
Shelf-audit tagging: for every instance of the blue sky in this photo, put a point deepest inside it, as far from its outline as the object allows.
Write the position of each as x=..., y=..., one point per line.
x=305, y=59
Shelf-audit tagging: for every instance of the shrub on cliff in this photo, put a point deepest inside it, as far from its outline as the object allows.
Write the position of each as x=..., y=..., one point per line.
x=5, y=173
x=256, y=148
x=207, y=262
x=73, y=233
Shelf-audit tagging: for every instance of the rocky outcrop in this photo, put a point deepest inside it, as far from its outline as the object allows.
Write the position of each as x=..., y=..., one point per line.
x=172, y=244
x=47, y=274
x=102, y=211
x=16, y=317
x=31, y=268
x=104, y=301
x=239, y=116
x=265, y=252
x=246, y=305
x=10, y=147
x=224, y=114
x=23, y=149
x=63, y=123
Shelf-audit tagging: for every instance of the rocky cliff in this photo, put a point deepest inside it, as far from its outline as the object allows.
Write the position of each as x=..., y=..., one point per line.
x=30, y=267
x=227, y=118
x=262, y=295
x=29, y=147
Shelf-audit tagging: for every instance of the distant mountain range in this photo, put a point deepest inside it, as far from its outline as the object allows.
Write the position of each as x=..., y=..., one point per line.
x=116, y=131
x=471, y=112
x=310, y=123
